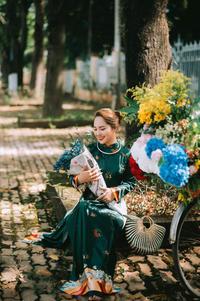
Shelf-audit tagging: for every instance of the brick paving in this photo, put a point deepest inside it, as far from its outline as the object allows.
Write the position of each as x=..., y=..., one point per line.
x=32, y=273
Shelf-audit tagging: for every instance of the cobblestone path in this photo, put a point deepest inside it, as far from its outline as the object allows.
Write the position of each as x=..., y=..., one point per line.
x=31, y=273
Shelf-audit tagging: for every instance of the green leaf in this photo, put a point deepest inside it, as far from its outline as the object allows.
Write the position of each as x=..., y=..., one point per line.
x=132, y=107
x=128, y=110
x=129, y=100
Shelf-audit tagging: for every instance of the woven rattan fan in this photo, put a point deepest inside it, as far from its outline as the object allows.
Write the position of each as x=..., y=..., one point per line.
x=144, y=240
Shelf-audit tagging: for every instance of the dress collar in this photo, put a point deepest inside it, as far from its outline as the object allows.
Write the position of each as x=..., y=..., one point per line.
x=111, y=149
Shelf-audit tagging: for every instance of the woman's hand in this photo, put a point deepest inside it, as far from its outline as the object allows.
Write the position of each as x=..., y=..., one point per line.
x=89, y=175
x=107, y=196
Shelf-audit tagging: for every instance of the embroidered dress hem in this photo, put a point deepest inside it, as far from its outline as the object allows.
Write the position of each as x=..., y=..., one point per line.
x=90, y=280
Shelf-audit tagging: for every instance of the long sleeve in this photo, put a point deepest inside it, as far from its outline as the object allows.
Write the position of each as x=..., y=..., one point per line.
x=72, y=181
x=127, y=184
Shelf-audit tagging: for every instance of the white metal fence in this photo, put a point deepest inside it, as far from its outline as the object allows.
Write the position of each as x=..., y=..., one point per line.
x=186, y=58
x=100, y=73
x=95, y=74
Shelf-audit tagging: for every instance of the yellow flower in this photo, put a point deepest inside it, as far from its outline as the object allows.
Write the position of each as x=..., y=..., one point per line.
x=156, y=103
x=181, y=197
x=197, y=164
x=181, y=102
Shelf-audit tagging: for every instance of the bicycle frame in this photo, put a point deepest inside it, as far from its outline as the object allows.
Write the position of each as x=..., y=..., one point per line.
x=176, y=220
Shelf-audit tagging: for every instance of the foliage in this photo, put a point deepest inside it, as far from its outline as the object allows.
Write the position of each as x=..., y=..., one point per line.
x=166, y=100
x=2, y=23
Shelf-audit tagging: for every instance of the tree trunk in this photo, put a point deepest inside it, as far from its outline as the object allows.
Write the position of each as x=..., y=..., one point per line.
x=56, y=43
x=37, y=62
x=4, y=67
x=11, y=30
x=16, y=37
x=147, y=45
x=22, y=38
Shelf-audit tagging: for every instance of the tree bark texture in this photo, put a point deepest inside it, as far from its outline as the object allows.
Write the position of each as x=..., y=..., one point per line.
x=37, y=61
x=146, y=40
x=146, y=36
x=56, y=43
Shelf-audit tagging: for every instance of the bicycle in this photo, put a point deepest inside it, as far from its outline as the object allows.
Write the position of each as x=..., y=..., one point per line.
x=185, y=242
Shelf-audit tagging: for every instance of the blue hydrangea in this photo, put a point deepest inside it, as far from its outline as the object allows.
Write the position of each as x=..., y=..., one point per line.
x=154, y=144
x=174, y=154
x=64, y=161
x=174, y=169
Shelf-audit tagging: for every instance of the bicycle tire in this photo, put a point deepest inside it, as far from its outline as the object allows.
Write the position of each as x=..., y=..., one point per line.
x=179, y=251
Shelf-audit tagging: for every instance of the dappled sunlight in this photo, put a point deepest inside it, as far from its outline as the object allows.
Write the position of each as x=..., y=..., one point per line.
x=26, y=132
x=36, y=188
x=73, y=106
x=32, y=186
x=28, y=212
x=27, y=152
x=12, y=274
x=7, y=120
x=38, y=144
x=11, y=109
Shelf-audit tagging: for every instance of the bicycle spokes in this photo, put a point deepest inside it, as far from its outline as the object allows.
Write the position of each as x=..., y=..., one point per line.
x=187, y=250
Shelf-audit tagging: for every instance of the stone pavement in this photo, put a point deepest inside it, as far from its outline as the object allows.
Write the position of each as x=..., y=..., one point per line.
x=32, y=273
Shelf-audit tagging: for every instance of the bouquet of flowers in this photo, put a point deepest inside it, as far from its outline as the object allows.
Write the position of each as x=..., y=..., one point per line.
x=79, y=158
x=169, y=162
x=169, y=143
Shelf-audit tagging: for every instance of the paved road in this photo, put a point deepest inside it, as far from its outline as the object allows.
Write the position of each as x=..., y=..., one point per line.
x=32, y=273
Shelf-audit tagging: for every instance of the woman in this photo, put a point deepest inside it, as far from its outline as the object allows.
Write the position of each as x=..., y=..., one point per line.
x=91, y=226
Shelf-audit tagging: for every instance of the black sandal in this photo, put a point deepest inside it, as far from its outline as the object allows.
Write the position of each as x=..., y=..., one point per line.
x=95, y=295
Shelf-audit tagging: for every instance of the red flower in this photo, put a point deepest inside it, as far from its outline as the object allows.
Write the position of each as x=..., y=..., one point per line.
x=135, y=170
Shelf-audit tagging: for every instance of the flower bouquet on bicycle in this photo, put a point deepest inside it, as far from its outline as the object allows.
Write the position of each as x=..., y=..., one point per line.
x=167, y=150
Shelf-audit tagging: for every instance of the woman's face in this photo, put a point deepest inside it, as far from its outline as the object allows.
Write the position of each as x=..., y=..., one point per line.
x=103, y=132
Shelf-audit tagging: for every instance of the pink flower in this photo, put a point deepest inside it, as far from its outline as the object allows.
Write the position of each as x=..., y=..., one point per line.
x=192, y=170
x=142, y=140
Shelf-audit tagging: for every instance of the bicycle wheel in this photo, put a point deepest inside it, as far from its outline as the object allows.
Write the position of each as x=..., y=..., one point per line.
x=186, y=249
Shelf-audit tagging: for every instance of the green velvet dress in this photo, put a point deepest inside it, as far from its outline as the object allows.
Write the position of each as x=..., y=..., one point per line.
x=92, y=227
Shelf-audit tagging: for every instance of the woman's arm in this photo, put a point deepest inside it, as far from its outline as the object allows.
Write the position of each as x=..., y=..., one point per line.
x=86, y=176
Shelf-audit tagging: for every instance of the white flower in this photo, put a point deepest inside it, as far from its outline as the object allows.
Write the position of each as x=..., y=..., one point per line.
x=139, y=155
x=156, y=155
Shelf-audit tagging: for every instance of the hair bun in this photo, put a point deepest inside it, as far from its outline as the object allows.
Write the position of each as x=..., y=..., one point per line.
x=118, y=115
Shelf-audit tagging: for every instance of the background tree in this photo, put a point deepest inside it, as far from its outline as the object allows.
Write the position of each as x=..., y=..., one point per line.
x=183, y=16
x=146, y=40
x=147, y=45
x=15, y=38
x=56, y=16
x=37, y=61
x=3, y=39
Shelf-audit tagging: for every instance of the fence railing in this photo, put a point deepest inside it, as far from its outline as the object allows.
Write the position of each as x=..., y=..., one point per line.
x=186, y=58
x=100, y=73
